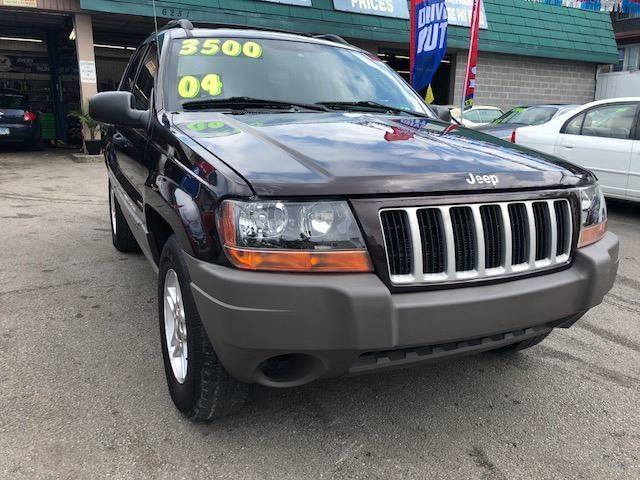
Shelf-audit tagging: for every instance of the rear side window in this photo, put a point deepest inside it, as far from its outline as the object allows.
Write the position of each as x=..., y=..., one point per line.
x=472, y=116
x=528, y=115
x=144, y=82
x=489, y=116
x=608, y=121
x=575, y=125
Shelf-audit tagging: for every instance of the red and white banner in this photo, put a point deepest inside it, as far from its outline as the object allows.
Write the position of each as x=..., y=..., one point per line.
x=469, y=92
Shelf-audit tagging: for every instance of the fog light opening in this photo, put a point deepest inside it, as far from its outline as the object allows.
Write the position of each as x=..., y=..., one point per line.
x=289, y=370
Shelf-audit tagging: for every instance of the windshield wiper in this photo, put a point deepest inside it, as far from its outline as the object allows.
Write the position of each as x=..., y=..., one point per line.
x=369, y=106
x=242, y=103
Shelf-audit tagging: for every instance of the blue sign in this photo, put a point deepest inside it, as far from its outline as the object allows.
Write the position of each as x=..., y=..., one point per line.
x=630, y=6
x=383, y=8
x=428, y=40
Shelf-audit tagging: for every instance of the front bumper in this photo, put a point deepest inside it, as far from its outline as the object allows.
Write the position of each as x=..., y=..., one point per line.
x=351, y=323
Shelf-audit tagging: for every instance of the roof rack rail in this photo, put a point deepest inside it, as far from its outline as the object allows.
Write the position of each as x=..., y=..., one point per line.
x=332, y=38
x=249, y=27
x=180, y=23
x=187, y=25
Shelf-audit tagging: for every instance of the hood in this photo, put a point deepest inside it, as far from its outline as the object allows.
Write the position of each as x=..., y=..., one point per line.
x=345, y=154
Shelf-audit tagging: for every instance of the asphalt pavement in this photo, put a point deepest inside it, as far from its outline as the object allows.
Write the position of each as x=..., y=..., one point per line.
x=83, y=395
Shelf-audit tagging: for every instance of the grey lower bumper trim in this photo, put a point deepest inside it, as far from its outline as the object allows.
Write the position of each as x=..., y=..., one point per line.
x=253, y=316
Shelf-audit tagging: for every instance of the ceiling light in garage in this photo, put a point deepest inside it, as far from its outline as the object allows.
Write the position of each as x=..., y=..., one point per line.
x=113, y=47
x=18, y=39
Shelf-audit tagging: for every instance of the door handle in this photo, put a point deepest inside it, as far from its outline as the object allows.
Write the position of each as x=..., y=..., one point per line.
x=569, y=146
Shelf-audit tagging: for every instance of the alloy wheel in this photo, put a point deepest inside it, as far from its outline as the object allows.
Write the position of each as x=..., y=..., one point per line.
x=112, y=209
x=175, y=326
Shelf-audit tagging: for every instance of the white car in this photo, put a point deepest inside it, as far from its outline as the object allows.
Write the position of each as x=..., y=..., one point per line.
x=603, y=136
x=476, y=116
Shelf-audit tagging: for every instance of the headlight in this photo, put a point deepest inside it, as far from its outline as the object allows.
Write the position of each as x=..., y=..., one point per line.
x=319, y=236
x=594, y=215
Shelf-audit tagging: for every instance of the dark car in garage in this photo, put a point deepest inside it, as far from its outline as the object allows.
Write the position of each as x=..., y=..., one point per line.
x=19, y=123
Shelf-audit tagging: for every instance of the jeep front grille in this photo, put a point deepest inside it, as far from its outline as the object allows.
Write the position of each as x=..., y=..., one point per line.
x=428, y=245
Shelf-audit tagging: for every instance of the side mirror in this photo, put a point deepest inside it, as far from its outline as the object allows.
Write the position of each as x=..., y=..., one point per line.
x=116, y=108
x=443, y=113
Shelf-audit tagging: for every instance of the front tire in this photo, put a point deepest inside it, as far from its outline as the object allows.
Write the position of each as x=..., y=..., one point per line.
x=524, y=344
x=199, y=385
x=121, y=235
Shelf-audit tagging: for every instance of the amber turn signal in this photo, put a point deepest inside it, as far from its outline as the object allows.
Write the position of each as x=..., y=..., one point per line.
x=300, y=260
x=592, y=234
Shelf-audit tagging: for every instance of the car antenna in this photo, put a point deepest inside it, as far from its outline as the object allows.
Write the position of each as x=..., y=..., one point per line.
x=155, y=21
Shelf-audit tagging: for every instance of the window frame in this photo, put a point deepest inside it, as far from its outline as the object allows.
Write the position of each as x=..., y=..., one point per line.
x=133, y=66
x=149, y=46
x=632, y=64
x=620, y=64
x=633, y=133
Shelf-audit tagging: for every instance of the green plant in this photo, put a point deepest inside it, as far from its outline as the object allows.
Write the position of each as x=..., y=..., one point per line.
x=84, y=117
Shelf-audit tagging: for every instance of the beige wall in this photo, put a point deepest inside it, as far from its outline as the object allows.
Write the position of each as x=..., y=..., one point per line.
x=508, y=80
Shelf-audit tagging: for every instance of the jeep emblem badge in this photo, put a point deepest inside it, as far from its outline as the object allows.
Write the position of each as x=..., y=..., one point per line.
x=482, y=179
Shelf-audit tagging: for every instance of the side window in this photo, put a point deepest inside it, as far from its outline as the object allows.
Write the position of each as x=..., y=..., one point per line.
x=472, y=116
x=574, y=126
x=129, y=75
x=144, y=81
x=611, y=121
x=489, y=116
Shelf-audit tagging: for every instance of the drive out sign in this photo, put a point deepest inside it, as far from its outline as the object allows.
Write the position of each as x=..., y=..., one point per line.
x=384, y=8
x=460, y=13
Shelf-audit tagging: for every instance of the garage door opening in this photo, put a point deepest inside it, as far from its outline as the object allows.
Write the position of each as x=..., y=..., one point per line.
x=442, y=81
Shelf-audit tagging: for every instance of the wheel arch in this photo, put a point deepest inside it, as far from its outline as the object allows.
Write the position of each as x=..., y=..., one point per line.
x=180, y=215
x=159, y=231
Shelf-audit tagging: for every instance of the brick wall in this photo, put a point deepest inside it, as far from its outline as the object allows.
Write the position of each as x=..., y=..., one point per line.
x=508, y=80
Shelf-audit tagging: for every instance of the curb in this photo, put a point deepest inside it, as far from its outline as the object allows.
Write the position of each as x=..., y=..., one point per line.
x=84, y=158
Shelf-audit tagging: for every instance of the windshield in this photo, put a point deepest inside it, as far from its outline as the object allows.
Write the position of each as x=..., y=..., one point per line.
x=9, y=100
x=283, y=71
x=528, y=115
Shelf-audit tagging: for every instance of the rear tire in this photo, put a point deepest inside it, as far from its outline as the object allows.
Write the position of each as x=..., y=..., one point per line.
x=199, y=385
x=524, y=344
x=121, y=234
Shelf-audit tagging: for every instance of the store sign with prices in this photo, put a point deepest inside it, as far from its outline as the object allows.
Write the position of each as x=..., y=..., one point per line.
x=382, y=8
x=300, y=3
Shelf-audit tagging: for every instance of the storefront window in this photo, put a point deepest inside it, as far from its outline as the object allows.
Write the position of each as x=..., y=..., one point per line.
x=619, y=67
x=633, y=54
